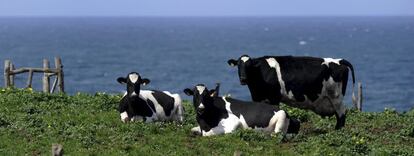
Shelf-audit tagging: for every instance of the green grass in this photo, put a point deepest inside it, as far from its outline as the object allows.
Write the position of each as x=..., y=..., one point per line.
x=30, y=122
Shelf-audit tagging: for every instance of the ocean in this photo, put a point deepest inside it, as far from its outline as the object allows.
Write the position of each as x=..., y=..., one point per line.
x=178, y=52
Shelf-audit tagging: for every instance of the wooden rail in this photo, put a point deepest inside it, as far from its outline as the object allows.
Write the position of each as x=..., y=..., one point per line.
x=10, y=72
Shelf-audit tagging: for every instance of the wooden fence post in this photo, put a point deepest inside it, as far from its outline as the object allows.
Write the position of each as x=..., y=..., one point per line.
x=59, y=66
x=54, y=85
x=360, y=97
x=6, y=73
x=46, y=80
x=12, y=75
x=29, y=80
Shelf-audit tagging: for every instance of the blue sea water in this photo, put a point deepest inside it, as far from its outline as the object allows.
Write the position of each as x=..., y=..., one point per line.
x=176, y=53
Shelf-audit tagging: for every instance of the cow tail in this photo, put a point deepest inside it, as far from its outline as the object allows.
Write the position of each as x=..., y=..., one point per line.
x=349, y=65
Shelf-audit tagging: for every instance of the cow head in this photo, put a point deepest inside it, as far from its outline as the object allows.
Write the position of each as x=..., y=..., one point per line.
x=202, y=97
x=133, y=82
x=242, y=63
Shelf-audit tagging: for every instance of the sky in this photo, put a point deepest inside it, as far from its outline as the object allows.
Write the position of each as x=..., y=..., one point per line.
x=206, y=7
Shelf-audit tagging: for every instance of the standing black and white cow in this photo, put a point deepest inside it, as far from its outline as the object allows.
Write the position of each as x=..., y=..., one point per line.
x=218, y=115
x=317, y=84
x=148, y=105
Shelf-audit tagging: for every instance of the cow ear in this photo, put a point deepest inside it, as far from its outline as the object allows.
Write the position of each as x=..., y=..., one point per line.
x=232, y=62
x=188, y=92
x=145, y=81
x=213, y=93
x=217, y=89
x=121, y=80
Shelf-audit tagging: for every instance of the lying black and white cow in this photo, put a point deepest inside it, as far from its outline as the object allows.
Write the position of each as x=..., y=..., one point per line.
x=218, y=115
x=148, y=105
x=317, y=84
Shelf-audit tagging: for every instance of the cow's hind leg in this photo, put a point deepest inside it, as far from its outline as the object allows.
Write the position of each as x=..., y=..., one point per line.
x=340, y=121
x=335, y=98
x=340, y=115
x=179, y=114
x=281, y=122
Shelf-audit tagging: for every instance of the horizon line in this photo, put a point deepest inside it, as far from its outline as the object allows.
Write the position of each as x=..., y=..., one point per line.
x=194, y=16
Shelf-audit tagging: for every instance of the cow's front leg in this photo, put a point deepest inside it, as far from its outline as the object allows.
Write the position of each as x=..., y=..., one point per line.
x=225, y=126
x=219, y=129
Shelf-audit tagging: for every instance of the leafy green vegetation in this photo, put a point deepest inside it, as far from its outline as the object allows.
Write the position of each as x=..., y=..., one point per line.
x=30, y=122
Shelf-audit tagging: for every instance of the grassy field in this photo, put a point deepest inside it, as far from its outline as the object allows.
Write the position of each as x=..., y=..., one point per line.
x=31, y=122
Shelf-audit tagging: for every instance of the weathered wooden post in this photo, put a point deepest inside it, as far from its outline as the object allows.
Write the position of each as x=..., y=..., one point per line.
x=12, y=75
x=59, y=66
x=57, y=150
x=29, y=80
x=359, y=102
x=46, y=80
x=54, y=85
x=7, y=73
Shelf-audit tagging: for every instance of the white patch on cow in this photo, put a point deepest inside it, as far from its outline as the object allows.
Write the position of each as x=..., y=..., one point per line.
x=225, y=126
x=201, y=89
x=133, y=77
x=124, y=117
x=281, y=123
x=291, y=96
x=137, y=118
x=196, y=130
x=243, y=122
x=326, y=61
x=201, y=106
x=177, y=114
x=278, y=123
x=244, y=58
x=133, y=93
x=270, y=127
x=274, y=64
x=227, y=105
x=124, y=94
x=159, y=111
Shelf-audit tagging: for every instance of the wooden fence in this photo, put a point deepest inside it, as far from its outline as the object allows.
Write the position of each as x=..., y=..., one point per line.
x=10, y=72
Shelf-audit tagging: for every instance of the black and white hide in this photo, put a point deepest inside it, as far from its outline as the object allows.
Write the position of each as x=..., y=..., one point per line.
x=317, y=84
x=148, y=105
x=220, y=115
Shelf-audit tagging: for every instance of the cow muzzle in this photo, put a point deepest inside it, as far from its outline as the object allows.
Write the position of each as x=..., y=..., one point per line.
x=200, y=109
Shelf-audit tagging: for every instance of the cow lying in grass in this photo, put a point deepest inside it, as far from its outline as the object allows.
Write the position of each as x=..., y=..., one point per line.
x=148, y=105
x=218, y=115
